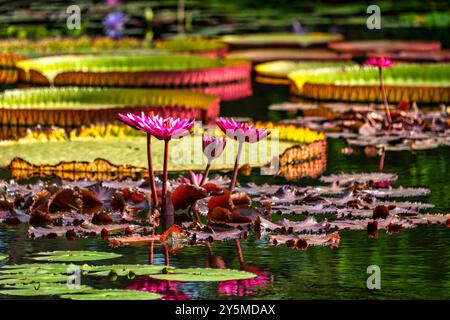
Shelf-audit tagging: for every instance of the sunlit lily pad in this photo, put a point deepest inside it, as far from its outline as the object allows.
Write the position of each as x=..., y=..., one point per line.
x=3, y=257
x=75, y=256
x=113, y=295
x=200, y=274
x=43, y=289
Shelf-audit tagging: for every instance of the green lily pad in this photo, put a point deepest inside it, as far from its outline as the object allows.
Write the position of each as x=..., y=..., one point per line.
x=28, y=279
x=3, y=257
x=122, y=270
x=111, y=294
x=43, y=289
x=203, y=274
x=75, y=256
x=34, y=268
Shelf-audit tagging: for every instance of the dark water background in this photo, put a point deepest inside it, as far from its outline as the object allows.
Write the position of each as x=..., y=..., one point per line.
x=414, y=264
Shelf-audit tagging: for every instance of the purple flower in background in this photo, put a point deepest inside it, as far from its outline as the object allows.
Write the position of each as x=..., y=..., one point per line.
x=113, y=24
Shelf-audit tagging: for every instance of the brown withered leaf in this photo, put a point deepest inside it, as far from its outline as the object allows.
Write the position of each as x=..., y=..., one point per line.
x=187, y=194
x=213, y=189
x=64, y=200
x=304, y=241
x=133, y=240
x=241, y=200
x=91, y=203
x=223, y=201
x=101, y=218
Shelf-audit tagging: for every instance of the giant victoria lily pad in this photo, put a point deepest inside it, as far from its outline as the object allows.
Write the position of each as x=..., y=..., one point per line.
x=279, y=39
x=132, y=70
x=426, y=83
x=276, y=72
x=83, y=106
x=127, y=151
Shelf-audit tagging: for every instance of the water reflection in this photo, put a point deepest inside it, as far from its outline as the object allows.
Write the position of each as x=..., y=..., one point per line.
x=248, y=287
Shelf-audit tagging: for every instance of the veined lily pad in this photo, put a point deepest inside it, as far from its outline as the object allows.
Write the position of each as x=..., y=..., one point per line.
x=45, y=289
x=75, y=256
x=113, y=295
x=203, y=274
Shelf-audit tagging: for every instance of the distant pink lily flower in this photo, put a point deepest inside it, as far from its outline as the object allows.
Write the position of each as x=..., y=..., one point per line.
x=241, y=131
x=380, y=62
x=194, y=178
x=213, y=146
x=165, y=128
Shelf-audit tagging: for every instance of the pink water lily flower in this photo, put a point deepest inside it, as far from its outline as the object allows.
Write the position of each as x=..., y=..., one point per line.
x=380, y=62
x=213, y=146
x=241, y=131
x=130, y=119
x=165, y=128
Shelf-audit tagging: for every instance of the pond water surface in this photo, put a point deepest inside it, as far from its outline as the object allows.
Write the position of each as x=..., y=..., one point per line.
x=414, y=264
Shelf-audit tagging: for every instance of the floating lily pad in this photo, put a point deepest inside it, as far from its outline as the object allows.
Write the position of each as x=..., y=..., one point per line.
x=113, y=295
x=75, y=256
x=43, y=289
x=34, y=268
x=3, y=257
x=29, y=278
x=200, y=275
x=122, y=269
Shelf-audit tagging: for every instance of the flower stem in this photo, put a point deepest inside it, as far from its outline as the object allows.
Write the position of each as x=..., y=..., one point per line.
x=205, y=174
x=151, y=175
x=164, y=186
x=236, y=166
x=383, y=91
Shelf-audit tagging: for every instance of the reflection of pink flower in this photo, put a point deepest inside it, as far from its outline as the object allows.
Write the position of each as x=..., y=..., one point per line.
x=166, y=288
x=246, y=287
x=241, y=131
x=380, y=62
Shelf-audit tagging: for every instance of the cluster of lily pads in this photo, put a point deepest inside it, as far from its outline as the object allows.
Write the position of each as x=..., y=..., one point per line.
x=55, y=274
